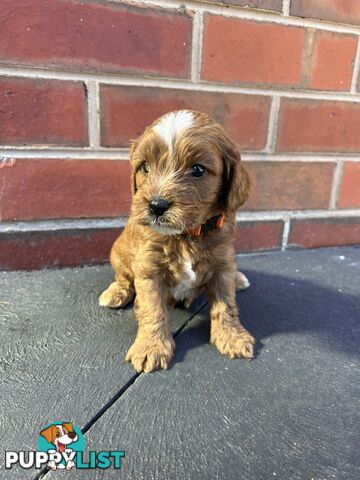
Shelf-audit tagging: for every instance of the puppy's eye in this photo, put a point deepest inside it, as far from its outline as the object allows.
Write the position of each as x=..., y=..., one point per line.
x=197, y=170
x=145, y=168
x=58, y=434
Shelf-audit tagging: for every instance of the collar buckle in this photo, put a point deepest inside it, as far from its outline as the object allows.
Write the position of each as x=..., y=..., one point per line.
x=213, y=223
x=220, y=220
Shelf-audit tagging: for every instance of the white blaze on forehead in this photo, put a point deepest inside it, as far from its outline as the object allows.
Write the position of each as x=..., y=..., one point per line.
x=172, y=125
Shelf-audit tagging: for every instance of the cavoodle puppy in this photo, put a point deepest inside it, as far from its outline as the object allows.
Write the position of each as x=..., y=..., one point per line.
x=187, y=183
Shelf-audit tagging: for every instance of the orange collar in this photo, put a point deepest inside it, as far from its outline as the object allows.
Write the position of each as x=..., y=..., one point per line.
x=211, y=224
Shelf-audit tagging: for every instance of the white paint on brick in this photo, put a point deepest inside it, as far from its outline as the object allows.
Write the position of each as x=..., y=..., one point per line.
x=111, y=79
x=273, y=125
x=286, y=8
x=197, y=40
x=336, y=184
x=92, y=88
x=355, y=77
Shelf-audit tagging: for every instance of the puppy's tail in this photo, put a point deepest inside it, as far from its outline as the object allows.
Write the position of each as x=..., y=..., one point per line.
x=242, y=283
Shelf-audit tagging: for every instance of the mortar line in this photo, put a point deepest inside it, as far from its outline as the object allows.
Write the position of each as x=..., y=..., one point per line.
x=286, y=8
x=29, y=153
x=295, y=214
x=11, y=227
x=335, y=188
x=295, y=157
x=355, y=76
x=93, y=113
x=196, y=52
x=273, y=125
x=286, y=233
x=255, y=15
x=107, y=78
x=62, y=224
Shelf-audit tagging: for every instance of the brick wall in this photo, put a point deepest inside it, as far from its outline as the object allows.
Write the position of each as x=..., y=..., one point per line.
x=79, y=79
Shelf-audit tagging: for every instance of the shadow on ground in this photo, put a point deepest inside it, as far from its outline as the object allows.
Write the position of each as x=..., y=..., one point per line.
x=276, y=306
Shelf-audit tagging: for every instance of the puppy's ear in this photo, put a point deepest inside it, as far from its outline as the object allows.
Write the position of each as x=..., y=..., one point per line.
x=68, y=426
x=133, y=147
x=49, y=433
x=236, y=180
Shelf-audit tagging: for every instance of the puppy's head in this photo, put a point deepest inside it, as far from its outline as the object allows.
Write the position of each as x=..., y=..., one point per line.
x=184, y=170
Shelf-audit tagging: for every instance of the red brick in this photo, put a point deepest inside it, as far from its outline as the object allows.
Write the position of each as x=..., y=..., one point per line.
x=47, y=112
x=251, y=52
x=253, y=236
x=325, y=232
x=126, y=111
x=289, y=185
x=64, y=248
x=95, y=35
x=275, y=5
x=39, y=189
x=333, y=61
x=349, y=195
x=340, y=11
x=319, y=126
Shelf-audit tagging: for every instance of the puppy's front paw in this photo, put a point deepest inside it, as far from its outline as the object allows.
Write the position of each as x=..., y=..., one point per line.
x=235, y=343
x=147, y=354
x=115, y=296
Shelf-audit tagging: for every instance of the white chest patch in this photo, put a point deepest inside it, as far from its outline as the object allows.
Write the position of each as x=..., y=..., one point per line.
x=173, y=125
x=186, y=283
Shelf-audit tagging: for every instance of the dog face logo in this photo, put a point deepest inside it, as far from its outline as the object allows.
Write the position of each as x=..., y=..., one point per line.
x=60, y=435
x=184, y=170
x=63, y=440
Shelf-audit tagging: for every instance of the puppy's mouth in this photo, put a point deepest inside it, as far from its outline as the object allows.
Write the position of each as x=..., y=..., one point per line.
x=162, y=226
x=61, y=447
x=65, y=441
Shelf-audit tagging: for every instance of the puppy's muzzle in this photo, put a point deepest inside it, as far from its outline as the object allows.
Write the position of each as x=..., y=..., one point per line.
x=158, y=206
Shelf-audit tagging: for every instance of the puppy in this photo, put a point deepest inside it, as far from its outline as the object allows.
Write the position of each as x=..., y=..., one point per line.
x=187, y=184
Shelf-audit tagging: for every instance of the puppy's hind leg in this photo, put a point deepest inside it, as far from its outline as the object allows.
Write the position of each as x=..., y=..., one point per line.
x=119, y=293
x=242, y=281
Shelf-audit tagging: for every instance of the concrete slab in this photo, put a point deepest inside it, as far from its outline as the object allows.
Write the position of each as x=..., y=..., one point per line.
x=292, y=413
x=61, y=355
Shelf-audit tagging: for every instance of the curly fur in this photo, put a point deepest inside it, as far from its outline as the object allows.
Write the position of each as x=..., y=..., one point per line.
x=156, y=262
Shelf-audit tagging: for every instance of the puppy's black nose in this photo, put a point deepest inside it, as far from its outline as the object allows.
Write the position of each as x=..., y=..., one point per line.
x=158, y=206
x=72, y=435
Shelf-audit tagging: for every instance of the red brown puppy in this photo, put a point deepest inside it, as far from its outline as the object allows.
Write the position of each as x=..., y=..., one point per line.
x=187, y=183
